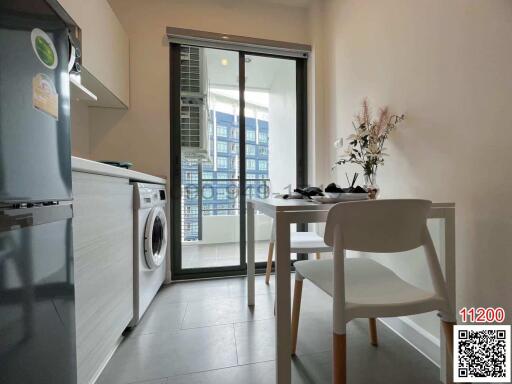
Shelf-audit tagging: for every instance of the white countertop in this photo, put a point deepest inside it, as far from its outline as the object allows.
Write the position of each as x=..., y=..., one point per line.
x=88, y=166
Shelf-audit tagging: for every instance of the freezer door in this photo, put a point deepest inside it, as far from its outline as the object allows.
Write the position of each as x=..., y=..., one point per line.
x=37, y=326
x=35, y=157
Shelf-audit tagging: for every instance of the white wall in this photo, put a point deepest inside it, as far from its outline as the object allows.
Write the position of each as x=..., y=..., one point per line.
x=446, y=65
x=141, y=134
x=282, y=127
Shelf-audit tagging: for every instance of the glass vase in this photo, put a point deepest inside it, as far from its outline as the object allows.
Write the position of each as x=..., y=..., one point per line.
x=370, y=184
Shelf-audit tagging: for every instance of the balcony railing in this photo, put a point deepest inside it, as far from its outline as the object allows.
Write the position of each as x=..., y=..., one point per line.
x=189, y=230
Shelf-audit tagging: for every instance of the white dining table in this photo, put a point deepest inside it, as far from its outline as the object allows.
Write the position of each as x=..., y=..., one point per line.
x=291, y=211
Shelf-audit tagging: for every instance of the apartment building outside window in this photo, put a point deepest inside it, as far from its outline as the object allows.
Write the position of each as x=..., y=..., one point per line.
x=222, y=162
x=222, y=131
x=250, y=150
x=250, y=135
x=222, y=146
x=251, y=164
x=219, y=186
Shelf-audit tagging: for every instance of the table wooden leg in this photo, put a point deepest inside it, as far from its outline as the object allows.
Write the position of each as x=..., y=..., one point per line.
x=283, y=300
x=250, y=254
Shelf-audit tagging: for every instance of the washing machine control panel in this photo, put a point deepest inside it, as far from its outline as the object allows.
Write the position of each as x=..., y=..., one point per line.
x=150, y=195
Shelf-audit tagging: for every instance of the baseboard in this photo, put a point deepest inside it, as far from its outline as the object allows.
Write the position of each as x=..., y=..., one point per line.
x=102, y=367
x=417, y=337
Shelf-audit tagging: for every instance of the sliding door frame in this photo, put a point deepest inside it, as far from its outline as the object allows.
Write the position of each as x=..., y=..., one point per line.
x=177, y=272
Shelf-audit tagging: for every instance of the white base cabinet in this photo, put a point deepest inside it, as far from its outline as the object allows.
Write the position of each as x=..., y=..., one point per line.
x=103, y=254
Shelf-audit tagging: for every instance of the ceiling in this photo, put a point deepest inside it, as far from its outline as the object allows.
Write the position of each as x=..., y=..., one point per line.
x=259, y=72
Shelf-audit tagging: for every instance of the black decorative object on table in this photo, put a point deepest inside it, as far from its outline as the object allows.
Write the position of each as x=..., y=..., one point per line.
x=333, y=188
x=308, y=192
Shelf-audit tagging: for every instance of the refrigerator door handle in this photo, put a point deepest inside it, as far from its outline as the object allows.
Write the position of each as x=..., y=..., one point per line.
x=16, y=218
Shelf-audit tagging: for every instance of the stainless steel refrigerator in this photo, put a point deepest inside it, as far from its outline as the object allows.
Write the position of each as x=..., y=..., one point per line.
x=37, y=326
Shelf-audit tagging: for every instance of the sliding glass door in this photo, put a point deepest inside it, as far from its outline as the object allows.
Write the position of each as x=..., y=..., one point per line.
x=270, y=98
x=237, y=133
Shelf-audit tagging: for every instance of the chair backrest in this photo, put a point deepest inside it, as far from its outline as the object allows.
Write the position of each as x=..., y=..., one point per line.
x=380, y=226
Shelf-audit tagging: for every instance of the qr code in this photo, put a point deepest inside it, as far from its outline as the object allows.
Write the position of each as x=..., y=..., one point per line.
x=481, y=354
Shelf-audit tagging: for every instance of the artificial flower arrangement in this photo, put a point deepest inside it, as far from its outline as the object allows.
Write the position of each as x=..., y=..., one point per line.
x=366, y=144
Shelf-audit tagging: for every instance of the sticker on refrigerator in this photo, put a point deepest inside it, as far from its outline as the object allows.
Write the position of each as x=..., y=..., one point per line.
x=44, y=49
x=44, y=95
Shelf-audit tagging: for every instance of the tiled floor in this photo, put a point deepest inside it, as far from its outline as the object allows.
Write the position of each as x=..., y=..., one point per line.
x=218, y=255
x=204, y=333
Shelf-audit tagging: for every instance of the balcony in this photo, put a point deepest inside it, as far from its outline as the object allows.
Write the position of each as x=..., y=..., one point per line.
x=211, y=230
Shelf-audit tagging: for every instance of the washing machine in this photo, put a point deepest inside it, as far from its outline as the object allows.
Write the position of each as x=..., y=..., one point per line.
x=150, y=245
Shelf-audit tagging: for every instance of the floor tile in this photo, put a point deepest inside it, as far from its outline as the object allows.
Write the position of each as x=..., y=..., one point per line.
x=161, y=316
x=193, y=290
x=255, y=342
x=252, y=374
x=161, y=354
x=238, y=287
x=247, y=374
x=157, y=381
x=243, y=350
x=216, y=311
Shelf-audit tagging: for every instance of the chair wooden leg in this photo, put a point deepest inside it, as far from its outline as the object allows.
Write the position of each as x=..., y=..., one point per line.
x=269, y=262
x=318, y=255
x=297, y=296
x=448, y=333
x=373, y=332
x=339, y=359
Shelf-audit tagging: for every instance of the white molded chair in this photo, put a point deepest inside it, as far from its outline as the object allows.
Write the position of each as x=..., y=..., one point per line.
x=364, y=288
x=300, y=242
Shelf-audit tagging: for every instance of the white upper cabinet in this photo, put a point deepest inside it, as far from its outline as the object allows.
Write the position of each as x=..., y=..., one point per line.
x=105, y=51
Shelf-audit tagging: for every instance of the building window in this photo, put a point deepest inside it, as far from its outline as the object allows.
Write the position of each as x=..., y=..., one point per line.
x=250, y=135
x=222, y=194
x=207, y=209
x=222, y=130
x=250, y=150
x=191, y=209
x=221, y=178
x=222, y=162
x=220, y=187
x=222, y=146
x=233, y=148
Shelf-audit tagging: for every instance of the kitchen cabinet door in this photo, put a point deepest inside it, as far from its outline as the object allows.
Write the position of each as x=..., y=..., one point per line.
x=105, y=48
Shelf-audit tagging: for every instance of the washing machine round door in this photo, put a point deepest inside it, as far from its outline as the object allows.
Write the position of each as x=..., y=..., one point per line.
x=155, y=238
